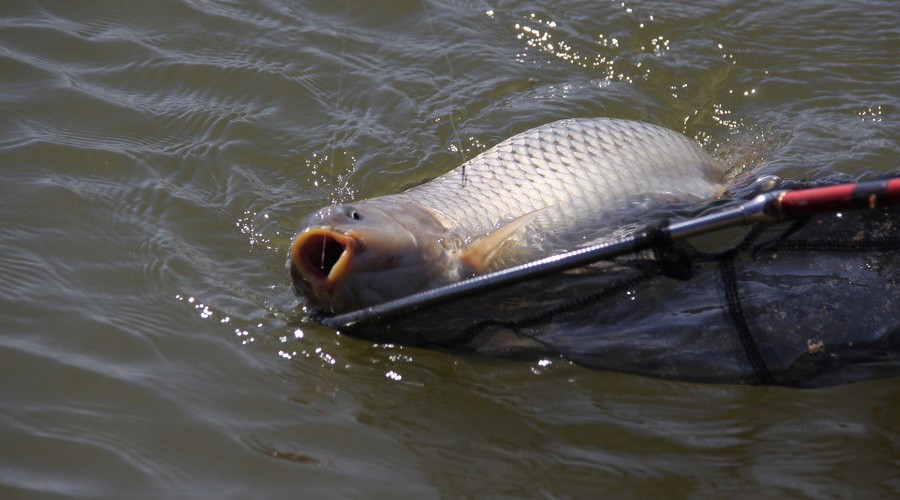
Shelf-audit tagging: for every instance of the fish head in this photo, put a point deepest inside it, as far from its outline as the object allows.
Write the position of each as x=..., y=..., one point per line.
x=352, y=256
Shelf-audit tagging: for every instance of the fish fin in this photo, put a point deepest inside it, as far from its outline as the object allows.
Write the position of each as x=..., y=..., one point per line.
x=477, y=257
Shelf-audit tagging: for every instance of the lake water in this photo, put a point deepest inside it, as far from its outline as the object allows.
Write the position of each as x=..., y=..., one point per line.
x=157, y=156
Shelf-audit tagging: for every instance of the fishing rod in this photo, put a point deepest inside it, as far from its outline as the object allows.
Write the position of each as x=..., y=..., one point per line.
x=767, y=208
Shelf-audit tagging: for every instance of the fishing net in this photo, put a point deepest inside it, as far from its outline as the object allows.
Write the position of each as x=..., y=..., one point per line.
x=807, y=302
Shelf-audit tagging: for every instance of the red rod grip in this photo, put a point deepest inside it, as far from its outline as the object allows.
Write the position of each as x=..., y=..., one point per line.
x=862, y=195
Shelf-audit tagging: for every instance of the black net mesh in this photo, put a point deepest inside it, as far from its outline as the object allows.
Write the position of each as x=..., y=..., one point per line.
x=809, y=302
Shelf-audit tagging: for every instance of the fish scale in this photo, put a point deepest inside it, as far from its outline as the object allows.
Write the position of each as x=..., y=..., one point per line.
x=576, y=168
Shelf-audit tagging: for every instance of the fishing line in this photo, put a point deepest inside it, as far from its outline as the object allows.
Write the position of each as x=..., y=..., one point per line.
x=450, y=95
x=340, y=89
x=340, y=84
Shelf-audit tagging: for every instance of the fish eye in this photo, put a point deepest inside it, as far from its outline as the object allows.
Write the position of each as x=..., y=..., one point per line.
x=353, y=214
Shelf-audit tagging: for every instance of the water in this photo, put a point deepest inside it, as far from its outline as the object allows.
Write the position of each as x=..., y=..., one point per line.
x=156, y=157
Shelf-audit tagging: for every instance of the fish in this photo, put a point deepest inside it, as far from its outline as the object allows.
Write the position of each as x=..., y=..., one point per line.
x=529, y=196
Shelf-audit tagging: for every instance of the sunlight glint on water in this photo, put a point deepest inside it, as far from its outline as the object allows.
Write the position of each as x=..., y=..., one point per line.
x=156, y=158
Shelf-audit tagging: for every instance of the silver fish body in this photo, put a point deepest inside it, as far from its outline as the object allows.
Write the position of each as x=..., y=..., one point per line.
x=525, y=197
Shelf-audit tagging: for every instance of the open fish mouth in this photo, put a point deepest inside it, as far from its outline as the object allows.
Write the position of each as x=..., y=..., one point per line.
x=321, y=257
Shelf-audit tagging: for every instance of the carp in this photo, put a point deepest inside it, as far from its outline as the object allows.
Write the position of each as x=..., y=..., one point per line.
x=529, y=196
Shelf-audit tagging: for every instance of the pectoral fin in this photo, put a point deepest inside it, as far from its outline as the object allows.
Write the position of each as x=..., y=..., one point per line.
x=479, y=256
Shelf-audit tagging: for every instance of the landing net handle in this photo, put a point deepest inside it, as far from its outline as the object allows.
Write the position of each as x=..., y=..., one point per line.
x=863, y=195
x=768, y=208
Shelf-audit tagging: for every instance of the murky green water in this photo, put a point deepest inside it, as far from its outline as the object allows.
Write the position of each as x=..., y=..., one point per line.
x=156, y=156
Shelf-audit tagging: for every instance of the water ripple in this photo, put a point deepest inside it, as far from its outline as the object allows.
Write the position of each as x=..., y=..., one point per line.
x=156, y=157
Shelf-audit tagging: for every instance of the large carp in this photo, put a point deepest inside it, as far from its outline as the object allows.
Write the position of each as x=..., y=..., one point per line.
x=526, y=197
